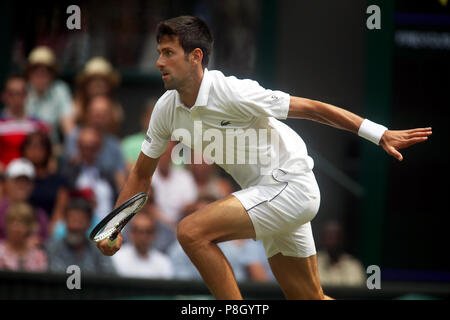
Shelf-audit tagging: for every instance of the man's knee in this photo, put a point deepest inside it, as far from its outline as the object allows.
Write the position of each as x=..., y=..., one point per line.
x=189, y=232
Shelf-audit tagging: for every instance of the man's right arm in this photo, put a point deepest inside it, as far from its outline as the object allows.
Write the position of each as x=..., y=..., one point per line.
x=139, y=178
x=138, y=181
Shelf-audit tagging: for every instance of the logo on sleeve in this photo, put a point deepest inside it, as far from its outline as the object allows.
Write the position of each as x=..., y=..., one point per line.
x=274, y=97
x=148, y=139
x=224, y=123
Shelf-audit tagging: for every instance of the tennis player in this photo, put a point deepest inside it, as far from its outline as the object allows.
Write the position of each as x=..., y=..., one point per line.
x=278, y=198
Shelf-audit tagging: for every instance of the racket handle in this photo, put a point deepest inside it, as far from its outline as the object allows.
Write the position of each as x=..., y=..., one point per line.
x=112, y=243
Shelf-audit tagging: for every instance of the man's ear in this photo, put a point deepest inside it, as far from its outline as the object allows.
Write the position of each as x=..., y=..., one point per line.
x=197, y=55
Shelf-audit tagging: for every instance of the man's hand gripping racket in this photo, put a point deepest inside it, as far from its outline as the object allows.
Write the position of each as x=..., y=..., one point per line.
x=107, y=234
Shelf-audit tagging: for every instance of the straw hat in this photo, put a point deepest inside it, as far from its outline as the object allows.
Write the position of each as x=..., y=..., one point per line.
x=42, y=55
x=99, y=66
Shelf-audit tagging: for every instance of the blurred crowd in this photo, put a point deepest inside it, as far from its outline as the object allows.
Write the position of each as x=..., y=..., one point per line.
x=62, y=165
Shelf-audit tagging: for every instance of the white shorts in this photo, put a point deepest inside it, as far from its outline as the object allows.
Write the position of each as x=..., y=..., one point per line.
x=281, y=211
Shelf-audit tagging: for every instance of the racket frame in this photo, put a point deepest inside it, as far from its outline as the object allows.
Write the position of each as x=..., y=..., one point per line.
x=118, y=227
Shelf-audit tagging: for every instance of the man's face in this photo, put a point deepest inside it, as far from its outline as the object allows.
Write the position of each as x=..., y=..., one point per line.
x=77, y=221
x=19, y=188
x=89, y=144
x=17, y=231
x=15, y=94
x=175, y=67
x=142, y=232
x=97, y=85
x=40, y=78
x=35, y=151
x=100, y=113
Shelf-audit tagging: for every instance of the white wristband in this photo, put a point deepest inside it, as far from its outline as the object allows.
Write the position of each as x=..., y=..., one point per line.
x=371, y=131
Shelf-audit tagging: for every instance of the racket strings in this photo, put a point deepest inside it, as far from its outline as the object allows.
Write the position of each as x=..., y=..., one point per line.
x=117, y=222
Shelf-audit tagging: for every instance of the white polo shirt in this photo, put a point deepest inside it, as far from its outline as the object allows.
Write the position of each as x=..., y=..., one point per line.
x=223, y=123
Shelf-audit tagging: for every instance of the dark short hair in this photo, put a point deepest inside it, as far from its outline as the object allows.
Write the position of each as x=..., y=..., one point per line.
x=44, y=138
x=80, y=204
x=192, y=33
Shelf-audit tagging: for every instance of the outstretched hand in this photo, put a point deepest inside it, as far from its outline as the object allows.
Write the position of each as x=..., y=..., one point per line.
x=394, y=140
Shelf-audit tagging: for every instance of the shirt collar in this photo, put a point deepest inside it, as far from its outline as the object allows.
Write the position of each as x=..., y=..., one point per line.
x=203, y=92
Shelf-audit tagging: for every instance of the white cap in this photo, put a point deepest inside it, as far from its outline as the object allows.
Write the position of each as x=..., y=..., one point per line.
x=20, y=167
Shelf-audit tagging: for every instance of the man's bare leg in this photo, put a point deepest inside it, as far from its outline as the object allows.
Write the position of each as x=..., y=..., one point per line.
x=199, y=234
x=298, y=277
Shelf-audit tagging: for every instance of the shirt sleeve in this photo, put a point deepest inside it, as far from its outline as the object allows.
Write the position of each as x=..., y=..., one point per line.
x=157, y=136
x=254, y=100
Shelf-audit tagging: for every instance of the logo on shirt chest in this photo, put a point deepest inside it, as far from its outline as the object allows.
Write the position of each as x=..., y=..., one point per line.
x=224, y=123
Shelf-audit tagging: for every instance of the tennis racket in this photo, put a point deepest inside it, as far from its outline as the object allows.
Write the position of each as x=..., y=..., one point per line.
x=110, y=227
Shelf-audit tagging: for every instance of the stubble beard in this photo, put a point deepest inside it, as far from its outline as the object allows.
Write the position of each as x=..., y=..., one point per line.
x=169, y=85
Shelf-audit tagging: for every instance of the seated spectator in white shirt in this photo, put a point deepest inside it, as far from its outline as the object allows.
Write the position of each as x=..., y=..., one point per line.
x=174, y=188
x=336, y=267
x=138, y=258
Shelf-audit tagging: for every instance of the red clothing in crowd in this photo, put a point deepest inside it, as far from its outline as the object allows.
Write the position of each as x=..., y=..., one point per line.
x=12, y=134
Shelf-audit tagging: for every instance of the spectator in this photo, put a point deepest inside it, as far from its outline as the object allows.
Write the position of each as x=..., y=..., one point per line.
x=75, y=248
x=98, y=78
x=165, y=235
x=174, y=188
x=335, y=266
x=131, y=145
x=110, y=158
x=50, y=190
x=83, y=172
x=15, y=252
x=14, y=122
x=139, y=258
x=49, y=99
x=19, y=182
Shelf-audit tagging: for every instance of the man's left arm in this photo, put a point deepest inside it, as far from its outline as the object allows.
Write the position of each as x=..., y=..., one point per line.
x=390, y=140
